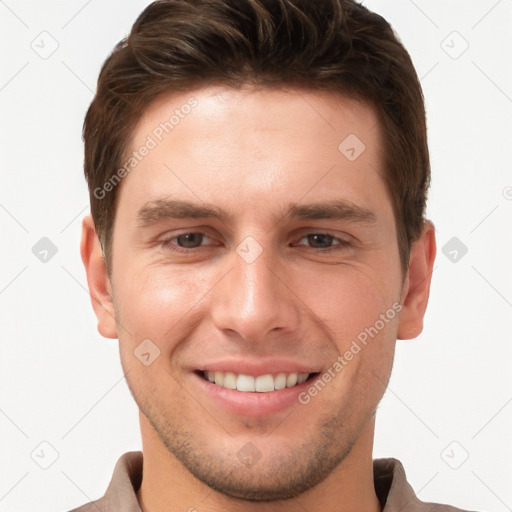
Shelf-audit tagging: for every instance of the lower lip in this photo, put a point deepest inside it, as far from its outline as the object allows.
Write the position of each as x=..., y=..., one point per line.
x=254, y=404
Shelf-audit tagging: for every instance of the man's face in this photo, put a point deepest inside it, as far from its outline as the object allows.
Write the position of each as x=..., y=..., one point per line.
x=299, y=258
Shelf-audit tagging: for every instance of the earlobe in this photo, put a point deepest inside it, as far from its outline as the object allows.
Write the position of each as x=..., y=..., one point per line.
x=416, y=286
x=100, y=289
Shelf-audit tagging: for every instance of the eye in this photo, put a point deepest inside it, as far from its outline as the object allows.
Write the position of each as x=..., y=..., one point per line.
x=192, y=240
x=323, y=241
x=186, y=242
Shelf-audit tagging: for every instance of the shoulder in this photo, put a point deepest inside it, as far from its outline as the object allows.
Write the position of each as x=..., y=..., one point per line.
x=437, y=507
x=90, y=507
x=121, y=492
x=395, y=493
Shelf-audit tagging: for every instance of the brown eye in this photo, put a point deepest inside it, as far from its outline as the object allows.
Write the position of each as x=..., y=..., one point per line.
x=320, y=241
x=323, y=242
x=190, y=240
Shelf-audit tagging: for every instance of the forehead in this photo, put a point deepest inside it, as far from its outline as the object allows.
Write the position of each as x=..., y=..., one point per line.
x=247, y=145
x=257, y=111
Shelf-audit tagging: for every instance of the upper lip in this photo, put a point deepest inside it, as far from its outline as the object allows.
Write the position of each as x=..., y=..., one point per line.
x=257, y=367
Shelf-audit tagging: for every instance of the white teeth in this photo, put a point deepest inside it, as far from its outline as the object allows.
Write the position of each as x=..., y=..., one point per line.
x=219, y=378
x=264, y=383
x=302, y=378
x=280, y=381
x=245, y=383
x=291, y=380
x=261, y=384
x=229, y=380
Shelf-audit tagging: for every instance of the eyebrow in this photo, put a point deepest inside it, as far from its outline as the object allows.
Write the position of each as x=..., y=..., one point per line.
x=160, y=209
x=336, y=210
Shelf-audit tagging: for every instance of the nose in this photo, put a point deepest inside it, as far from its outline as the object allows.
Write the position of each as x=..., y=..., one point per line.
x=254, y=299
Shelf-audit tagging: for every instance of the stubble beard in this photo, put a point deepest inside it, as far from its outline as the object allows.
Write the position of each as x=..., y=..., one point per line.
x=284, y=476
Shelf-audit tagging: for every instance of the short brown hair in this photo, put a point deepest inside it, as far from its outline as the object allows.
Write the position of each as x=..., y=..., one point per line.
x=334, y=45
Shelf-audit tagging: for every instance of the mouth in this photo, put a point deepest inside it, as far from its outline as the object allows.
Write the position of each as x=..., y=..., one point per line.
x=261, y=388
x=265, y=383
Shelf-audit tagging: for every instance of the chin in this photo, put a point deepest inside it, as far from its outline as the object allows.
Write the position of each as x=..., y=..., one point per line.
x=261, y=470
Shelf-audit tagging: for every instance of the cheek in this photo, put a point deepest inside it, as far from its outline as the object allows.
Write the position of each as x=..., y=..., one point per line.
x=166, y=290
x=348, y=299
x=157, y=304
x=359, y=313
x=366, y=349
x=160, y=304
x=158, y=310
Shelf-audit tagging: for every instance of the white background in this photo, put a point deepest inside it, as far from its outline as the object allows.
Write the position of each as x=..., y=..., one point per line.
x=61, y=383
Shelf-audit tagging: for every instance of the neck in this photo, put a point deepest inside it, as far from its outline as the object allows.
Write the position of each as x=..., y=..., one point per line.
x=168, y=485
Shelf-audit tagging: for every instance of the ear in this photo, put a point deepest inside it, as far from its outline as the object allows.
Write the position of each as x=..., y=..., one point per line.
x=416, y=286
x=98, y=280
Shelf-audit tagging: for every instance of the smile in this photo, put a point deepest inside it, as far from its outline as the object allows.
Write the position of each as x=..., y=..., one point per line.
x=260, y=384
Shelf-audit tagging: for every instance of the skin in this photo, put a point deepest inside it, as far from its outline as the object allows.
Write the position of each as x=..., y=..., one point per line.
x=254, y=153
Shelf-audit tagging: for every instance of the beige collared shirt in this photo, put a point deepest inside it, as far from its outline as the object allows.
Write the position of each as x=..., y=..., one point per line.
x=391, y=486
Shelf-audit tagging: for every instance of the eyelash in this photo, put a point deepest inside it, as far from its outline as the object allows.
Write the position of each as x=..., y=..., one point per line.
x=341, y=245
